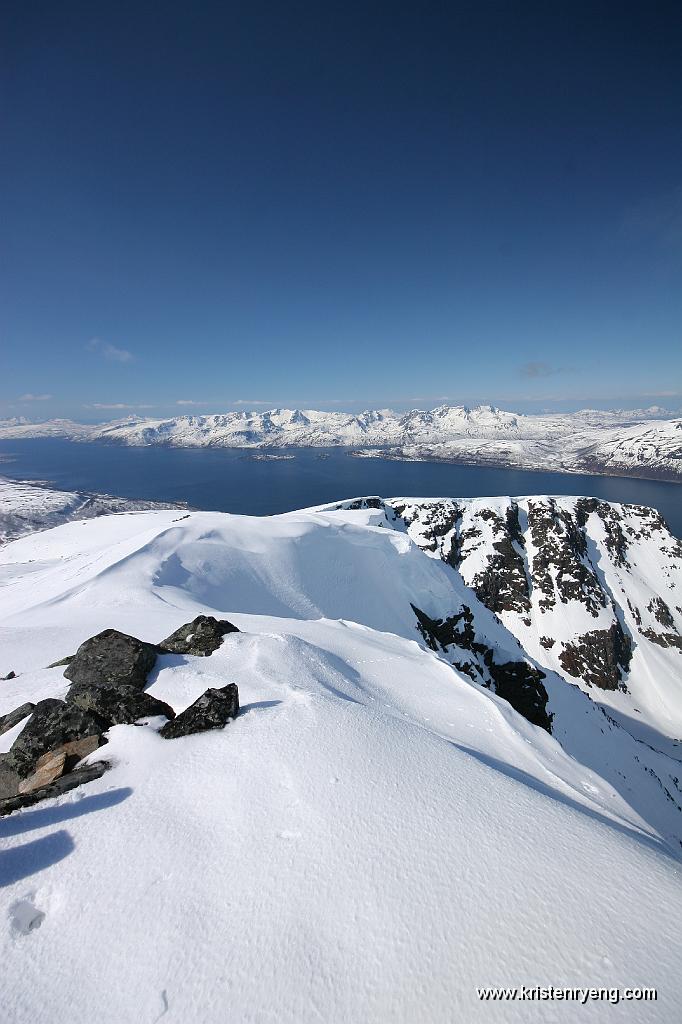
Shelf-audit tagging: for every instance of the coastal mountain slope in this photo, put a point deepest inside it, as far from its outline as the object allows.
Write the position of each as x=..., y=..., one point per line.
x=26, y=507
x=418, y=797
x=628, y=443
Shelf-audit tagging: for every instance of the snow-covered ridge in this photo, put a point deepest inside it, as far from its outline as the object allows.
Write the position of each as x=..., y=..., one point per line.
x=627, y=443
x=383, y=827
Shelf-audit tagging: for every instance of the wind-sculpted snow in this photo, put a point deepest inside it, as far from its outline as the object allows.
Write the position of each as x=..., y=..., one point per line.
x=622, y=443
x=379, y=831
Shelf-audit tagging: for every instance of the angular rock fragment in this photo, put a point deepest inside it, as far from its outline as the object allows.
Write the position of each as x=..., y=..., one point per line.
x=214, y=709
x=87, y=773
x=121, y=705
x=200, y=637
x=8, y=721
x=47, y=768
x=112, y=658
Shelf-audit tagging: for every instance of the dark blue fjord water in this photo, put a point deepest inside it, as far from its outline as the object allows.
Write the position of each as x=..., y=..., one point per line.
x=231, y=480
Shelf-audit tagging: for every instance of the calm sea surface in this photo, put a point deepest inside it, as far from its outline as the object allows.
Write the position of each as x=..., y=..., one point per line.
x=232, y=480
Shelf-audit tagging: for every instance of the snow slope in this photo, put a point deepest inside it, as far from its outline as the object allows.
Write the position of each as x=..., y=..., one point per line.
x=377, y=833
x=628, y=443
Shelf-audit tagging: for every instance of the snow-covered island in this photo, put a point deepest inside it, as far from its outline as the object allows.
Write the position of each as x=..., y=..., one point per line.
x=454, y=762
x=643, y=443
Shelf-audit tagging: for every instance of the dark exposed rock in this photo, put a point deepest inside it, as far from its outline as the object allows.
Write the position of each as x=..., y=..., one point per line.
x=121, y=705
x=62, y=661
x=437, y=519
x=8, y=721
x=10, y=779
x=547, y=642
x=517, y=682
x=635, y=612
x=455, y=630
x=503, y=585
x=599, y=657
x=661, y=612
x=200, y=637
x=214, y=709
x=112, y=658
x=365, y=503
x=53, y=724
x=87, y=773
x=521, y=685
x=561, y=555
x=614, y=538
x=10, y=675
x=663, y=639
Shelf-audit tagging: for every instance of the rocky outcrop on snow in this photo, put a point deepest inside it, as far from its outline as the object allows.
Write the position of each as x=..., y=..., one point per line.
x=214, y=709
x=108, y=675
x=112, y=658
x=517, y=682
x=200, y=637
x=622, y=443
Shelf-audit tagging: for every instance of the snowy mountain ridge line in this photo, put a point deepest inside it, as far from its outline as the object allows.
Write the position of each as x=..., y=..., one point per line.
x=567, y=609
x=639, y=442
x=378, y=815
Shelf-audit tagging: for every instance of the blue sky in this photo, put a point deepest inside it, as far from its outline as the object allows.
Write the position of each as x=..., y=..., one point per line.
x=339, y=206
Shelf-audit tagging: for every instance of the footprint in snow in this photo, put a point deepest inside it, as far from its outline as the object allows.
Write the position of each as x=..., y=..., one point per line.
x=25, y=917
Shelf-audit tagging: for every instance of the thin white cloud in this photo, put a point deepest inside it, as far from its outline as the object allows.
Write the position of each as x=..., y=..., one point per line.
x=29, y=397
x=109, y=351
x=117, y=405
x=189, y=401
x=249, y=401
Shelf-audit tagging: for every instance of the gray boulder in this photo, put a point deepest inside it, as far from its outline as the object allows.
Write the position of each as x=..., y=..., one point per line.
x=8, y=721
x=112, y=659
x=214, y=709
x=200, y=637
x=121, y=705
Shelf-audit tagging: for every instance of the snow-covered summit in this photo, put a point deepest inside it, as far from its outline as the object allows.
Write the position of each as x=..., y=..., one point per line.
x=383, y=828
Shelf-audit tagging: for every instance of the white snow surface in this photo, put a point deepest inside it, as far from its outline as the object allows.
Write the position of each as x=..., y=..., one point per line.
x=643, y=442
x=373, y=837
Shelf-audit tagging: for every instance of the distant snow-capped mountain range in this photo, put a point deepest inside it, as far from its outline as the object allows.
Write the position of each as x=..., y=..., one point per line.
x=645, y=443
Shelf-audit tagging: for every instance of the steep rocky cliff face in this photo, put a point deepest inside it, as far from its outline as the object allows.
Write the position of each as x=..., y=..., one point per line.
x=592, y=591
